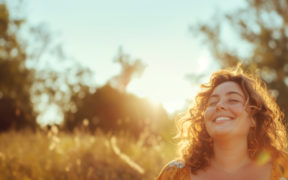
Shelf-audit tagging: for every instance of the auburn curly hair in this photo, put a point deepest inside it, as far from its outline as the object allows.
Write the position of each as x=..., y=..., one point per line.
x=196, y=146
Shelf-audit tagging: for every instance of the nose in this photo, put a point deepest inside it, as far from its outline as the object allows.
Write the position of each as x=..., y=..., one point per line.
x=220, y=105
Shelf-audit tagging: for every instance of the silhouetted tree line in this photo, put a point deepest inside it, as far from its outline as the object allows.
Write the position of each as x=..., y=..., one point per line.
x=25, y=92
x=112, y=110
x=262, y=26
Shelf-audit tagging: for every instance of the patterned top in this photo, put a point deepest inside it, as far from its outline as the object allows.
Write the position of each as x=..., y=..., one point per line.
x=176, y=170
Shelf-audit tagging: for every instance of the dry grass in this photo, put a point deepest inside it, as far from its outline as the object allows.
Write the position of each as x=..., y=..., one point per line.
x=53, y=155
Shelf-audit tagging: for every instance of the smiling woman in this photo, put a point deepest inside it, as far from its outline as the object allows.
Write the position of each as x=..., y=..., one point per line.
x=234, y=130
x=225, y=113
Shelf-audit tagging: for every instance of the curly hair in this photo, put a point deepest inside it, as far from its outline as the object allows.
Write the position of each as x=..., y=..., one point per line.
x=196, y=146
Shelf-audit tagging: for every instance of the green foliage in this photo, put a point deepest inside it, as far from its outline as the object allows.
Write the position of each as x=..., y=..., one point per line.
x=261, y=29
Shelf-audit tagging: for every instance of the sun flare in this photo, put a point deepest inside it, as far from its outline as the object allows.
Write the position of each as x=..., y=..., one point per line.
x=163, y=89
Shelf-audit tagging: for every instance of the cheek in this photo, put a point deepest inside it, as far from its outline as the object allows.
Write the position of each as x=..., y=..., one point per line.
x=241, y=113
x=237, y=110
x=208, y=114
x=208, y=120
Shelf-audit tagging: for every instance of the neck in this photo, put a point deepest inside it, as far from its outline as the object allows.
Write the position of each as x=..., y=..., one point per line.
x=230, y=155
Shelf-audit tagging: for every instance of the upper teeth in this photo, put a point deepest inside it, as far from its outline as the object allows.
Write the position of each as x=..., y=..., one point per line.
x=222, y=119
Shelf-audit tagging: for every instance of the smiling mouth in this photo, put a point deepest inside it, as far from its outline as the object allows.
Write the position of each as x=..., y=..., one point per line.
x=222, y=119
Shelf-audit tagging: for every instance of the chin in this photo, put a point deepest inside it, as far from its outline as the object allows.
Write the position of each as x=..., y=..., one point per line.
x=222, y=133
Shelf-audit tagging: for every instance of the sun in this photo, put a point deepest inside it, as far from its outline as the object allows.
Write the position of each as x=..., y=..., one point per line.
x=166, y=89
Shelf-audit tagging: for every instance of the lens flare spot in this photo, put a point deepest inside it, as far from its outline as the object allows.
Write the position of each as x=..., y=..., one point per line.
x=263, y=157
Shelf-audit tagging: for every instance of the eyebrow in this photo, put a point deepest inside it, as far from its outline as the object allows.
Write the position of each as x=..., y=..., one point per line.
x=228, y=93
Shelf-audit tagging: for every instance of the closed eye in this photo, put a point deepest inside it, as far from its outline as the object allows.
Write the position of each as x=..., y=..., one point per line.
x=233, y=100
x=212, y=103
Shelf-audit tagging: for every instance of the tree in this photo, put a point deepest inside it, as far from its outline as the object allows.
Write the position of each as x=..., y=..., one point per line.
x=129, y=69
x=111, y=109
x=29, y=81
x=16, y=109
x=114, y=111
x=262, y=30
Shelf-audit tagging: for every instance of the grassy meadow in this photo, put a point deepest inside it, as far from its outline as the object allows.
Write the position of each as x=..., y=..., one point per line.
x=47, y=155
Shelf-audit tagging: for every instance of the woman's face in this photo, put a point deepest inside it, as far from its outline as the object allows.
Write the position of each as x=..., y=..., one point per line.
x=226, y=113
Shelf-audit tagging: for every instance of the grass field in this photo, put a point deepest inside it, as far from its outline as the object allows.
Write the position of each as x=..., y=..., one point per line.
x=54, y=155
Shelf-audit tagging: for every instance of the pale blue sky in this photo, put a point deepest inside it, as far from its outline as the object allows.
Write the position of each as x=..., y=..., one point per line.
x=155, y=31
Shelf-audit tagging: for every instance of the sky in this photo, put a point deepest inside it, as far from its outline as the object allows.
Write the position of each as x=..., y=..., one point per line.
x=156, y=32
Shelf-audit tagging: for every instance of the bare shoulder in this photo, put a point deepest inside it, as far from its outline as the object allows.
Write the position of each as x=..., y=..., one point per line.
x=174, y=170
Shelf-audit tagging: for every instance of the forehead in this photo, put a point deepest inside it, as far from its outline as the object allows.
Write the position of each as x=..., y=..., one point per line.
x=227, y=87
